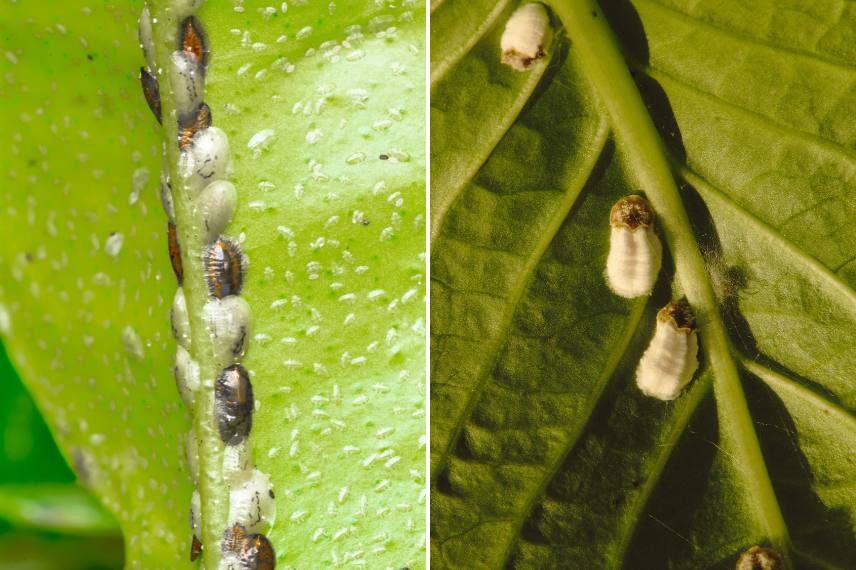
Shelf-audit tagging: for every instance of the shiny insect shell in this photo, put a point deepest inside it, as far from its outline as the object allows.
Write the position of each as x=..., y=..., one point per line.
x=250, y=551
x=526, y=36
x=194, y=42
x=151, y=91
x=224, y=268
x=671, y=359
x=234, y=403
x=175, y=252
x=188, y=127
x=635, y=252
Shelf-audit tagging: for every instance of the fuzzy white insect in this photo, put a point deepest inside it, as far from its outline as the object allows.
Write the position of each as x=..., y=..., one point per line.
x=191, y=455
x=526, y=36
x=186, y=376
x=180, y=319
x=251, y=502
x=635, y=252
x=237, y=460
x=671, y=360
x=229, y=323
x=188, y=83
x=216, y=206
x=206, y=159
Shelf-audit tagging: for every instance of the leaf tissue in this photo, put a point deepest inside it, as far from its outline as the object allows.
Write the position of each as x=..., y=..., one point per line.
x=735, y=122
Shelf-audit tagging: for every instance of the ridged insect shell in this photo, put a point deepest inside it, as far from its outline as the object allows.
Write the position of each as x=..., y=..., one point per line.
x=671, y=359
x=194, y=42
x=224, y=268
x=526, y=35
x=175, y=252
x=635, y=251
x=233, y=401
x=151, y=91
x=251, y=551
x=188, y=127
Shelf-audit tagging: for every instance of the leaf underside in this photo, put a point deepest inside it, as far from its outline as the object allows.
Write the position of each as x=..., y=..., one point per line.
x=337, y=355
x=544, y=453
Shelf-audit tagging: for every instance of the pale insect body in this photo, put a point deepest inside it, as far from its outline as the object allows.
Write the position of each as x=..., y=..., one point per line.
x=526, y=36
x=205, y=159
x=635, y=252
x=671, y=359
x=217, y=203
x=195, y=525
x=147, y=43
x=252, y=502
x=180, y=319
x=229, y=324
x=186, y=376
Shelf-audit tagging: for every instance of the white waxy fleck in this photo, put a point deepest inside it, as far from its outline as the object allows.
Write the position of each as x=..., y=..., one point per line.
x=5, y=320
x=237, y=461
x=671, y=359
x=196, y=514
x=187, y=80
x=526, y=36
x=132, y=343
x=146, y=39
x=138, y=182
x=635, y=252
x=206, y=159
x=113, y=244
x=217, y=204
x=229, y=323
x=180, y=319
x=252, y=503
x=186, y=376
x=261, y=141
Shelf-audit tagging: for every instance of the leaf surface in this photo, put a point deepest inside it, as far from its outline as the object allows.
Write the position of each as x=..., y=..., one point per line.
x=334, y=235
x=544, y=452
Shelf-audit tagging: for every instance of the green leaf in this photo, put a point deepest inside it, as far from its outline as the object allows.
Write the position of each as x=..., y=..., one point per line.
x=544, y=453
x=334, y=236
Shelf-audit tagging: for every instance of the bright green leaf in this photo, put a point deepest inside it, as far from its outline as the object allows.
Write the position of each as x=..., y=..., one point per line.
x=333, y=233
x=544, y=453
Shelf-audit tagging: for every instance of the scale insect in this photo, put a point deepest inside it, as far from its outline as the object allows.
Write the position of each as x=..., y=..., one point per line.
x=234, y=403
x=151, y=91
x=175, y=252
x=635, y=252
x=188, y=128
x=671, y=359
x=526, y=36
x=224, y=268
x=195, y=525
x=194, y=42
x=250, y=551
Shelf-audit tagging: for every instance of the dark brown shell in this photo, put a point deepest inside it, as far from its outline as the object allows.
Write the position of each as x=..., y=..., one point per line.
x=234, y=404
x=194, y=41
x=151, y=91
x=632, y=212
x=175, y=252
x=254, y=551
x=195, y=548
x=680, y=313
x=224, y=268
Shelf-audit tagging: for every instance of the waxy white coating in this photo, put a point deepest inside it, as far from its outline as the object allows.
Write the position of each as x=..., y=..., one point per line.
x=634, y=261
x=180, y=319
x=669, y=362
x=206, y=159
x=217, y=204
x=188, y=83
x=186, y=376
x=251, y=503
x=237, y=460
x=526, y=36
x=196, y=513
x=147, y=43
x=228, y=321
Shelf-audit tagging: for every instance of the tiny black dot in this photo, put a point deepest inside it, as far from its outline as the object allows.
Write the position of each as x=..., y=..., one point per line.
x=594, y=14
x=365, y=222
x=270, y=492
x=90, y=57
x=384, y=157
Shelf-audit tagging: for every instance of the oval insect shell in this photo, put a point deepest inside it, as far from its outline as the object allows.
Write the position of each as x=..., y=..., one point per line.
x=229, y=323
x=180, y=319
x=635, y=251
x=206, y=159
x=147, y=43
x=526, y=36
x=224, y=268
x=234, y=404
x=188, y=83
x=217, y=204
x=166, y=194
x=151, y=92
x=186, y=372
x=252, y=502
x=195, y=525
x=191, y=454
x=194, y=40
x=175, y=252
x=243, y=551
x=760, y=558
x=671, y=359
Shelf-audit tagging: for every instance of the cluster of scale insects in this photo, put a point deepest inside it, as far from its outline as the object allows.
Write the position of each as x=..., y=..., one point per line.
x=204, y=170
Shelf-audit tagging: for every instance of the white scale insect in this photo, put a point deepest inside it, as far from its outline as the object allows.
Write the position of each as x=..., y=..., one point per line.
x=671, y=360
x=526, y=35
x=635, y=252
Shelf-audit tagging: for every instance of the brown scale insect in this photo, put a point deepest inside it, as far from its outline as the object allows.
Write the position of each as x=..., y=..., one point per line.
x=195, y=548
x=224, y=268
x=194, y=43
x=151, y=91
x=175, y=252
x=187, y=128
x=254, y=551
x=234, y=404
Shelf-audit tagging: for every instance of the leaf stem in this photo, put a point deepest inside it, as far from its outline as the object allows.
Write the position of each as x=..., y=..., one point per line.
x=213, y=489
x=635, y=131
